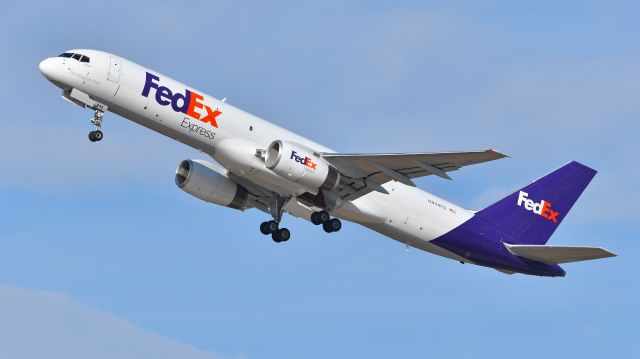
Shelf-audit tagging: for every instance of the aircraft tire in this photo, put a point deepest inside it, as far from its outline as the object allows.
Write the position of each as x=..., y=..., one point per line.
x=314, y=219
x=284, y=234
x=335, y=224
x=264, y=228
x=273, y=226
x=98, y=135
x=324, y=216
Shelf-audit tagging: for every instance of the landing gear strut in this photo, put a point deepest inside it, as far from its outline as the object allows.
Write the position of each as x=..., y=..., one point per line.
x=272, y=227
x=328, y=224
x=96, y=135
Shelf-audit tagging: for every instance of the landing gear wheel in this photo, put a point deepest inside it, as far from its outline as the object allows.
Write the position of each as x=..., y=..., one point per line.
x=324, y=216
x=314, y=219
x=273, y=226
x=284, y=234
x=335, y=225
x=92, y=136
x=281, y=235
x=269, y=227
x=332, y=225
x=264, y=228
x=97, y=135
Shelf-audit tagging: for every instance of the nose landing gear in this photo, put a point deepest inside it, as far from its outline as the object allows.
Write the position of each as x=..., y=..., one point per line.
x=96, y=135
x=83, y=100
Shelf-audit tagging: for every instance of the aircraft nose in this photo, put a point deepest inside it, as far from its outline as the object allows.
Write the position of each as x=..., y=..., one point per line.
x=48, y=67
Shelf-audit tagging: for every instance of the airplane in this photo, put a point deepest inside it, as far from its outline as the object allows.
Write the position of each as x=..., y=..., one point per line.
x=261, y=165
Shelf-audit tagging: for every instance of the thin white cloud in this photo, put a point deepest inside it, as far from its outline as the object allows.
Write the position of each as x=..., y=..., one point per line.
x=42, y=324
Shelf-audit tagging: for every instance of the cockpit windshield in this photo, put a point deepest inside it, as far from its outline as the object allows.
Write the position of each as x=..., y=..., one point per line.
x=79, y=57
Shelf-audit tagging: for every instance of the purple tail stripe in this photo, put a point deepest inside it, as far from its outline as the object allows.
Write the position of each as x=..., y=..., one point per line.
x=528, y=216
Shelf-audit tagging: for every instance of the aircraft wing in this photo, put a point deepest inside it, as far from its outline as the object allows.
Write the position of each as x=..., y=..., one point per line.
x=363, y=173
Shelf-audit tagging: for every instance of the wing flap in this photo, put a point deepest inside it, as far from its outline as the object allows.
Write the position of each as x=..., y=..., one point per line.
x=558, y=254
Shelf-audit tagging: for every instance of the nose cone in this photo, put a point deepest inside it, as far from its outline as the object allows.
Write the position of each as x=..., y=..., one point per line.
x=48, y=68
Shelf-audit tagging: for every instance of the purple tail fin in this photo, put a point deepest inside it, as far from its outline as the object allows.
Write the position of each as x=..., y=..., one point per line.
x=532, y=214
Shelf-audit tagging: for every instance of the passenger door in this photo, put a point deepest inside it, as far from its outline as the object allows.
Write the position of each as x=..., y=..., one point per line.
x=115, y=69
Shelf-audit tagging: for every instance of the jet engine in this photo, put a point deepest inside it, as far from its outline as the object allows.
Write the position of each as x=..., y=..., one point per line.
x=204, y=180
x=302, y=165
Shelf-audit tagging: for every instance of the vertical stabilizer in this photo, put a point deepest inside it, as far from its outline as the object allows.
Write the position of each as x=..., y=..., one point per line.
x=532, y=214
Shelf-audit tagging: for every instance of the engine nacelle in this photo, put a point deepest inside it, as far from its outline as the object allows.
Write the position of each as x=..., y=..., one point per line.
x=203, y=180
x=302, y=165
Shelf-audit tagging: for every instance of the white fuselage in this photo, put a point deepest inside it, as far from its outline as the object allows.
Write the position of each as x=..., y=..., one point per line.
x=406, y=214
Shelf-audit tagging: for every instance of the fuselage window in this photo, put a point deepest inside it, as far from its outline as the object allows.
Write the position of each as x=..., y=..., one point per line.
x=66, y=54
x=77, y=56
x=84, y=59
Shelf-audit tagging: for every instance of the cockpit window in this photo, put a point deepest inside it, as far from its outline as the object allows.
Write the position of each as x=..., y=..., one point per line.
x=79, y=57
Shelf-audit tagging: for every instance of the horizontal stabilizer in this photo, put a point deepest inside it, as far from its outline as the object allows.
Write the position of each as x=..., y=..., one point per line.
x=558, y=254
x=505, y=271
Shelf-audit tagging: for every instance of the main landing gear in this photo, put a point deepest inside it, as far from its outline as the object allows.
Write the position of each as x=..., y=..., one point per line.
x=328, y=224
x=282, y=234
x=276, y=207
x=96, y=135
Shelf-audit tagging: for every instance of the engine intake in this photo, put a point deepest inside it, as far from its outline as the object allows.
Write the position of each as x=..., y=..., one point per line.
x=205, y=181
x=302, y=165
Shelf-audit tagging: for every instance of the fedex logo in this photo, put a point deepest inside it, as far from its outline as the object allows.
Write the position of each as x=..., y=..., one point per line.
x=189, y=103
x=303, y=160
x=541, y=208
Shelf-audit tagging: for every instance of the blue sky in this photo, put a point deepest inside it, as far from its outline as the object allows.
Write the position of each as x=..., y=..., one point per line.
x=98, y=246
